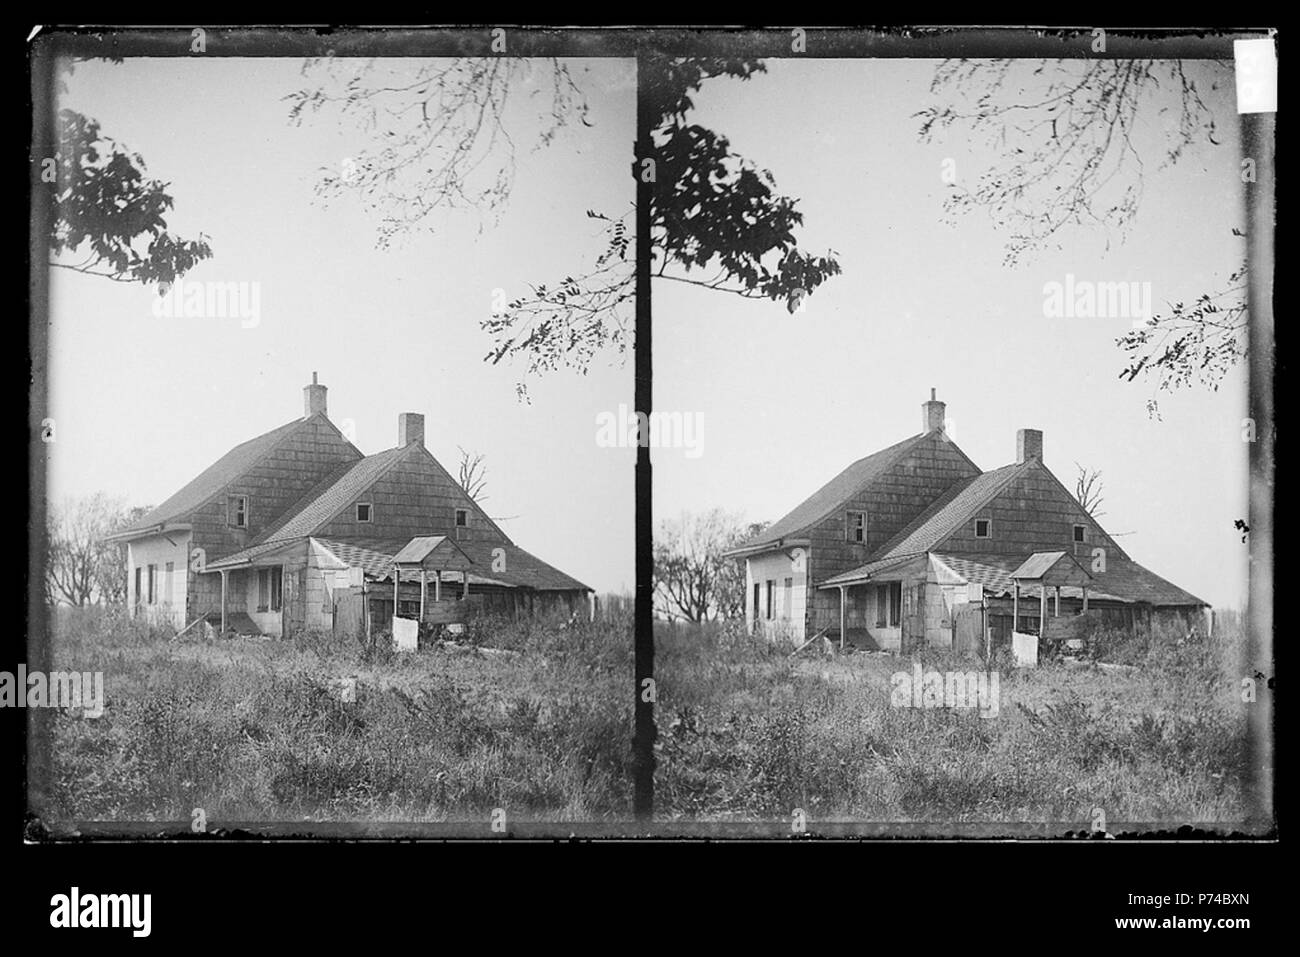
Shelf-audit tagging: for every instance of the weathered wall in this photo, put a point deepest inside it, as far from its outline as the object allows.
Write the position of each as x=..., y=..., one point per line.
x=171, y=589
x=892, y=501
x=414, y=497
x=297, y=465
x=1033, y=513
x=789, y=612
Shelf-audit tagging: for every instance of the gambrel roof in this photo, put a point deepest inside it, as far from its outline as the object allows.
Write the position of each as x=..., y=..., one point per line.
x=950, y=511
x=331, y=495
x=215, y=477
x=832, y=496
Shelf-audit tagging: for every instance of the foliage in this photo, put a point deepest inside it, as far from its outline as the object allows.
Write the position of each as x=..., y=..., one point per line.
x=106, y=212
x=1071, y=137
x=442, y=141
x=254, y=730
x=749, y=733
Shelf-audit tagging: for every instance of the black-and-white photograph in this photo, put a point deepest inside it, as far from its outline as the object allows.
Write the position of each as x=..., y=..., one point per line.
x=331, y=538
x=958, y=536
x=629, y=434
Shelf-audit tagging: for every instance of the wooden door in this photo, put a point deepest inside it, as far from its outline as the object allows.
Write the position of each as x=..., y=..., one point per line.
x=294, y=598
x=348, y=620
x=968, y=629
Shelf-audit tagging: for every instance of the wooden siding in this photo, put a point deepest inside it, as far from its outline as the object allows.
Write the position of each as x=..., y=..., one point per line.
x=415, y=497
x=1033, y=513
x=894, y=499
x=273, y=486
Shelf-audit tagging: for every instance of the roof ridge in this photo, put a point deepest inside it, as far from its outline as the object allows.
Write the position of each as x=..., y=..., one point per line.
x=891, y=454
x=321, y=489
x=944, y=501
x=165, y=511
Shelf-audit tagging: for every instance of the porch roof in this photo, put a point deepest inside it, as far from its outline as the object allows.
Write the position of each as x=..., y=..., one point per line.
x=1051, y=569
x=882, y=570
x=434, y=553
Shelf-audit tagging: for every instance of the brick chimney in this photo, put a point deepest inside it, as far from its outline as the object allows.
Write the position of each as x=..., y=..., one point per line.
x=313, y=398
x=410, y=428
x=932, y=414
x=1029, y=445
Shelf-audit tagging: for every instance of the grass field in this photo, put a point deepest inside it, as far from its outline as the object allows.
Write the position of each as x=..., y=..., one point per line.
x=251, y=730
x=748, y=733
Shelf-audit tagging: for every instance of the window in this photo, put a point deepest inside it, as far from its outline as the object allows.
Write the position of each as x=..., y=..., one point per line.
x=136, y=596
x=462, y=524
x=771, y=592
x=363, y=511
x=1081, y=533
x=889, y=605
x=787, y=599
x=168, y=576
x=982, y=528
x=153, y=584
x=855, y=526
x=237, y=511
x=269, y=581
x=758, y=596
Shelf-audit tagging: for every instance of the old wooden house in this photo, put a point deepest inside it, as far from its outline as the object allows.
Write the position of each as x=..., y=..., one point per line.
x=297, y=529
x=916, y=545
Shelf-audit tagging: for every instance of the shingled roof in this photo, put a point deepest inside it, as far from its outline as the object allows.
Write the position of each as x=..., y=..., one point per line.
x=331, y=495
x=949, y=511
x=212, y=479
x=832, y=496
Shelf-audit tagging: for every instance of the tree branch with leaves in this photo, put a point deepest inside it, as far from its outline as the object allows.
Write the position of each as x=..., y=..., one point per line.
x=1074, y=137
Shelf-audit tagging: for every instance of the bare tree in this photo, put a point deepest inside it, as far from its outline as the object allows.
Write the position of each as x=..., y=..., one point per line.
x=473, y=475
x=1087, y=489
x=443, y=140
x=1071, y=135
x=81, y=567
x=693, y=581
x=111, y=572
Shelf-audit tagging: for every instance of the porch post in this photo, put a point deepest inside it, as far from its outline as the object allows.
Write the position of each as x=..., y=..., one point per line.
x=1015, y=607
x=1057, y=613
x=1042, y=608
x=1085, y=599
x=424, y=591
x=224, y=573
x=843, y=617
x=465, y=591
x=437, y=585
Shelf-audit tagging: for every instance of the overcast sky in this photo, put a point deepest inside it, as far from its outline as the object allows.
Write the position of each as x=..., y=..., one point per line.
x=789, y=400
x=143, y=404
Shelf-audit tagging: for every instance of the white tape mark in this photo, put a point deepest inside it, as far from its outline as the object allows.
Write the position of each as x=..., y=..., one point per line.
x=1256, y=68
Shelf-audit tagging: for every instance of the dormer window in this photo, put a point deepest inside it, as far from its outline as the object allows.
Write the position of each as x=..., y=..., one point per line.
x=983, y=528
x=237, y=511
x=364, y=511
x=1081, y=533
x=855, y=527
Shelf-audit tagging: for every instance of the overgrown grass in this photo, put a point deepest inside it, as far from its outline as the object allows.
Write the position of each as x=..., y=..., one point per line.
x=254, y=730
x=747, y=733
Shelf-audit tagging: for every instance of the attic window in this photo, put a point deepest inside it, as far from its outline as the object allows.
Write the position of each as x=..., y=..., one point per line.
x=462, y=523
x=983, y=528
x=1081, y=533
x=237, y=511
x=363, y=511
x=855, y=527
